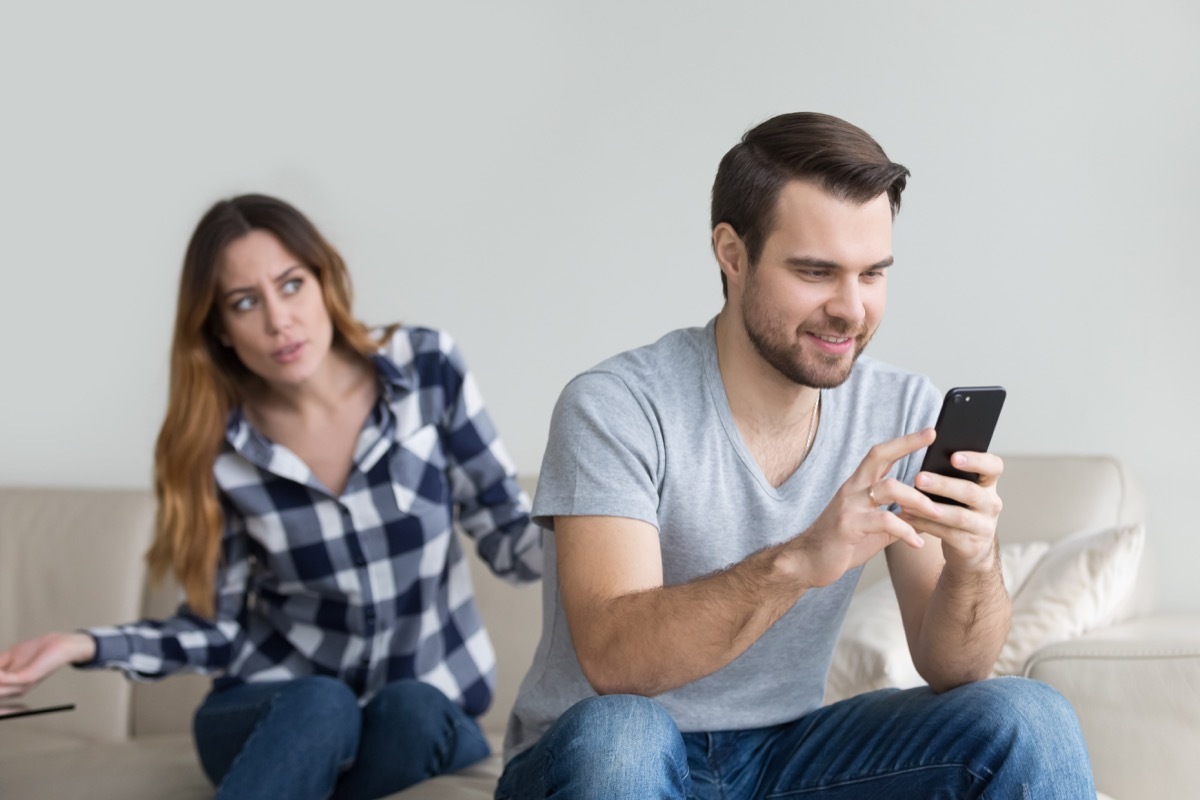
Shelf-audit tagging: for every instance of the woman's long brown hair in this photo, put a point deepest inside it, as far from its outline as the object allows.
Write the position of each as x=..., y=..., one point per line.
x=208, y=381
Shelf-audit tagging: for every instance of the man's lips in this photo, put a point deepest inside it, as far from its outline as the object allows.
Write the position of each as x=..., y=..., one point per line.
x=833, y=344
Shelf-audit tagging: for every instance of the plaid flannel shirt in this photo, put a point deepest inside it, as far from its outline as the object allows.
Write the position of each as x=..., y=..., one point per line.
x=371, y=586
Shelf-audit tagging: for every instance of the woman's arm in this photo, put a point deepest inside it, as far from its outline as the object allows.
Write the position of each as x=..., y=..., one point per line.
x=28, y=663
x=492, y=507
x=151, y=649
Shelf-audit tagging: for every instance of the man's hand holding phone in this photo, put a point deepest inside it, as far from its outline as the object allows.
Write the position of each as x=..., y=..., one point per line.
x=967, y=528
x=961, y=476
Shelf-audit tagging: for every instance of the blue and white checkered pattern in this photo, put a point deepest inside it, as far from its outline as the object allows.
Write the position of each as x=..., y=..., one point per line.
x=370, y=586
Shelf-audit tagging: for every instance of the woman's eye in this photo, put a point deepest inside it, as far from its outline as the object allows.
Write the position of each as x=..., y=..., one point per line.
x=293, y=285
x=243, y=303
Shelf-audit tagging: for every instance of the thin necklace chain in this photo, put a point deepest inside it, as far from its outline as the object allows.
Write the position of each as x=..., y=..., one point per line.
x=812, y=427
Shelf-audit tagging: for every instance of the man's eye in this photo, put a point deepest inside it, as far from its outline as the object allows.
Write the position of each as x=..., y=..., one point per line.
x=815, y=274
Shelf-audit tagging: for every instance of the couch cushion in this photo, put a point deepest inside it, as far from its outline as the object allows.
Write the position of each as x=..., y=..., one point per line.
x=41, y=764
x=1060, y=590
x=1082, y=583
x=36, y=764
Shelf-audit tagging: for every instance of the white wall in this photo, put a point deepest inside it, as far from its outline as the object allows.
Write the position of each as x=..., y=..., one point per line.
x=534, y=177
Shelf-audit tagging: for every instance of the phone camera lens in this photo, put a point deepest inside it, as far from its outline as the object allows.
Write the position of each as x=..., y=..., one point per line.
x=958, y=399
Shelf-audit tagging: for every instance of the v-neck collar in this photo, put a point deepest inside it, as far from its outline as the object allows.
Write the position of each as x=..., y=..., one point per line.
x=716, y=386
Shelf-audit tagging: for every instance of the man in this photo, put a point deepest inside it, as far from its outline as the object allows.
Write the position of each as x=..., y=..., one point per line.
x=713, y=498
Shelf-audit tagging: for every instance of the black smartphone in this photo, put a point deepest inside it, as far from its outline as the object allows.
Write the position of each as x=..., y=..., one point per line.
x=966, y=422
x=12, y=710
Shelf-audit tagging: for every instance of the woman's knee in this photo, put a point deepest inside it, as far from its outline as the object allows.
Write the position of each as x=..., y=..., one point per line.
x=313, y=718
x=319, y=699
x=419, y=704
x=411, y=731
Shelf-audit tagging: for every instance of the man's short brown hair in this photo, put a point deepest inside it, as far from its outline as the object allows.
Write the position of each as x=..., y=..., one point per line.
x=840, y=158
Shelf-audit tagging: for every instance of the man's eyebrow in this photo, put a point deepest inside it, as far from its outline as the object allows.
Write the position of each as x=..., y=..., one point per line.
x=277, y=279
x=819, y=263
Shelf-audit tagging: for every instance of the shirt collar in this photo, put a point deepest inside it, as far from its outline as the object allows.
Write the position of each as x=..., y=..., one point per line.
x=392, y=377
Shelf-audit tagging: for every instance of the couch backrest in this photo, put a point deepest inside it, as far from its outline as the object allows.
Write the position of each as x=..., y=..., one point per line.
x=71, y=558
x=513, y=615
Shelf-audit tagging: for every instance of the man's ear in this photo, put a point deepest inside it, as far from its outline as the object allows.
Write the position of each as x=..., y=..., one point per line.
x=731, y=253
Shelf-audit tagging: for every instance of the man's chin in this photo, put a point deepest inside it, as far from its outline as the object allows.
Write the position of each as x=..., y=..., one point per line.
x=798, y=363
x=826, y=373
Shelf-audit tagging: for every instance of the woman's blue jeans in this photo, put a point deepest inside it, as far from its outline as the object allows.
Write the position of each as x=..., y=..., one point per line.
x=1003, y=738
x=308, y=738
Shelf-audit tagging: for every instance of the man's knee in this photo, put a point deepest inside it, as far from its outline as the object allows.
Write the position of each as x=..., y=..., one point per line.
x=1019, y=703
x=1027, y=715
x=622, y=718
x=619, y=743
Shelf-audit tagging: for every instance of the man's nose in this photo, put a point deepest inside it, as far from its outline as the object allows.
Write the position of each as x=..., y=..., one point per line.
x=846, y=302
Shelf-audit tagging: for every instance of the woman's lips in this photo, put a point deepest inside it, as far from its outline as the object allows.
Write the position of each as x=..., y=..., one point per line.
x=288, y=353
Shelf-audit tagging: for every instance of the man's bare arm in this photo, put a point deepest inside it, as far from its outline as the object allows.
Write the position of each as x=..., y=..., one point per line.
x=633, y=635
x=955, y=608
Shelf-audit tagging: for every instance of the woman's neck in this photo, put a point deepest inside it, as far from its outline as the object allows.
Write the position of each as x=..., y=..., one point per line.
x=342, y=373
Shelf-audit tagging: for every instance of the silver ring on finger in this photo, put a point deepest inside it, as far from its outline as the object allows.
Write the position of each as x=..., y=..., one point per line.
x=871, y=494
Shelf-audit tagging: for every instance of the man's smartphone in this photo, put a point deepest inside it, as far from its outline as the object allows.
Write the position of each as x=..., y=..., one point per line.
x=966, y=422
x=13, y=710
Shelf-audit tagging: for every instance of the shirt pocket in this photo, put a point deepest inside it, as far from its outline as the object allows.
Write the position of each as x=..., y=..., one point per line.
x=421, y=488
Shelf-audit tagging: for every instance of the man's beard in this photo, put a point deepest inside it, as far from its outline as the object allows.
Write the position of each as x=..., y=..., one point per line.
x=781, y=347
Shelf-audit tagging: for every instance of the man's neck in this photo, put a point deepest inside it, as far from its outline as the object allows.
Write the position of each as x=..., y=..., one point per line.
x=761, y=399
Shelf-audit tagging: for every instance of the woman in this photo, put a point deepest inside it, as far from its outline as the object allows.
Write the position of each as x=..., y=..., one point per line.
x=309, y=473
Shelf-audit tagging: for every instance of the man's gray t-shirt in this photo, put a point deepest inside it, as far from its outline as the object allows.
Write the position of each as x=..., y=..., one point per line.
x=649, y=435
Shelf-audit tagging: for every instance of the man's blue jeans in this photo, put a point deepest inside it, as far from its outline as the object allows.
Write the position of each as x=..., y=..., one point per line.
x=308, y=738
x=1003, y=738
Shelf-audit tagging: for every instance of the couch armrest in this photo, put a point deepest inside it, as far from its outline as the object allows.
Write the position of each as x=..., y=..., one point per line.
x=1136, y=689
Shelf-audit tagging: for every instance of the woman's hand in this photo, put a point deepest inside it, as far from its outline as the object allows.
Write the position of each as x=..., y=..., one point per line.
x=27, y=664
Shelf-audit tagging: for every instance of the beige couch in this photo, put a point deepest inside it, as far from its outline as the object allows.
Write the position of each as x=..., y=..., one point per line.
x=71, y=557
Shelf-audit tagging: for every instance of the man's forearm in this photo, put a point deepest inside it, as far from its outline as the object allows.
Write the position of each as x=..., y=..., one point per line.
x=655, y=640
x=964, y=627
